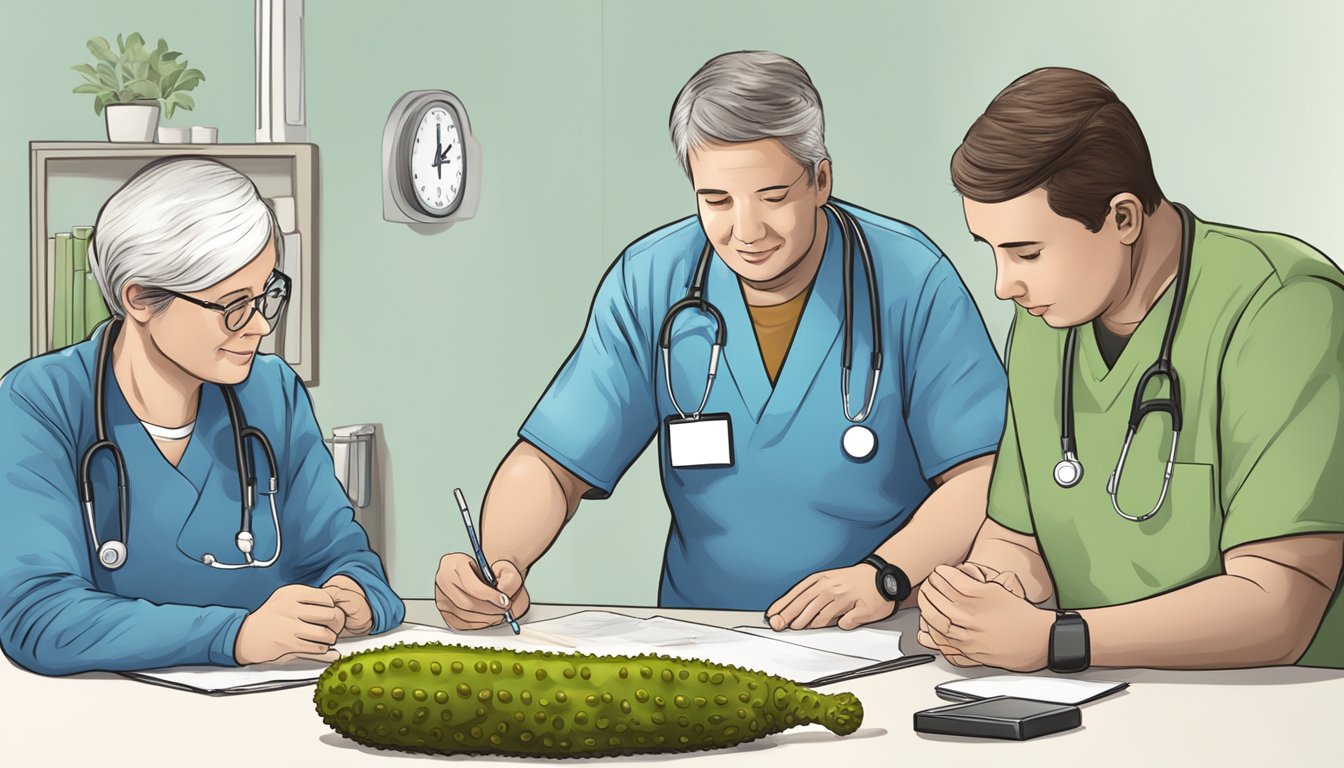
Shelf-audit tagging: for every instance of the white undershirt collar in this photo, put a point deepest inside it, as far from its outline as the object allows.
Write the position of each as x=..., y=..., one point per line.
x=169, y=433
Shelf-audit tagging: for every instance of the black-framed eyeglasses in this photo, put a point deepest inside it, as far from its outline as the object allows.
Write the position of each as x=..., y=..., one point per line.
x=270, y=303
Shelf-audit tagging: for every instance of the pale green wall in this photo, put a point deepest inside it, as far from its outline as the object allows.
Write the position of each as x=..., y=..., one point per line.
x=448, y=339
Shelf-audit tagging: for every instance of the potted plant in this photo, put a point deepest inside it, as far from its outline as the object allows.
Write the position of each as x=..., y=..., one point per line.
x=133, y=82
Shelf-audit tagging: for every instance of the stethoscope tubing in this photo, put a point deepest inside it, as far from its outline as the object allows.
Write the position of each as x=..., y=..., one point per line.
x=850, y=231
x=246, y=471
x=1069, y=470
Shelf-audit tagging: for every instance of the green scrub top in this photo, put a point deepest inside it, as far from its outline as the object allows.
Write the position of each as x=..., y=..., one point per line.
x=1260, y=354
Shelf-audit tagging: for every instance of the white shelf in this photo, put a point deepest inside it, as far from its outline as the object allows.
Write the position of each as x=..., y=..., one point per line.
x=278, y=170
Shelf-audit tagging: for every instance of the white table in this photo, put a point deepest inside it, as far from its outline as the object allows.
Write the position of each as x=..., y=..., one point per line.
x=1278, y=717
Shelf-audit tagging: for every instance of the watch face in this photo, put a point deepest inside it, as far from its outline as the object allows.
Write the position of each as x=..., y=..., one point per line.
x=436, y=160
x=890, y=585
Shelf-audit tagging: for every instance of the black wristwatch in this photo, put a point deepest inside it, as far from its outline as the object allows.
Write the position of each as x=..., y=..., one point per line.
x=892, y=583
x=1070, y=647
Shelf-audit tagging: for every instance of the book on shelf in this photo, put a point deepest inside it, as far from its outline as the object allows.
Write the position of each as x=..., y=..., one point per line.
x=50, y=265
x=79, y=261
x=290, y=347
x=77, y=305
x=95, y=309
x=62, y=318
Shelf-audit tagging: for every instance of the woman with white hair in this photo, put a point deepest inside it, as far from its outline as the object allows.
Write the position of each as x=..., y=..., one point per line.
x=165, y=494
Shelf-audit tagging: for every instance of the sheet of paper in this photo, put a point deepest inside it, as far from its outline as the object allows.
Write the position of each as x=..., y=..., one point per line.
x=598, y=632
x=1052, y=689
x=261, y=677
x=864, y=642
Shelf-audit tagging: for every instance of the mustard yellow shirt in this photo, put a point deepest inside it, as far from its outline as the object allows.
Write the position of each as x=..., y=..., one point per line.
x=775, y=326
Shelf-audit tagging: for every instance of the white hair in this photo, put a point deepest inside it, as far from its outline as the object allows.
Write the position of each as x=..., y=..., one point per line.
x=180, y=224
x=748, y=96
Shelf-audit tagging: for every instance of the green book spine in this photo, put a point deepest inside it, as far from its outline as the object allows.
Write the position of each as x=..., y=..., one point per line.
x=60, y=292
x=79, y=248
x=95, y=310
x=49, y=263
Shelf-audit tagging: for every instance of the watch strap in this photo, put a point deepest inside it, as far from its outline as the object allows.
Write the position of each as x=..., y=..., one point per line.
x=1070, y=645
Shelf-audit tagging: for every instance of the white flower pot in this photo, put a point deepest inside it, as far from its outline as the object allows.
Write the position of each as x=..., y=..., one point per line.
x=131, y=122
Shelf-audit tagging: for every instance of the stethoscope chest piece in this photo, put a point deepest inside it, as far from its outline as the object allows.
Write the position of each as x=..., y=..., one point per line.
x=1069, y=471
x=859, y=442
x=112, y=555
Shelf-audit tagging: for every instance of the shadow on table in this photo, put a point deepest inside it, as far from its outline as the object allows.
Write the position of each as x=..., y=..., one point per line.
x=760, y=745
x=976, y=740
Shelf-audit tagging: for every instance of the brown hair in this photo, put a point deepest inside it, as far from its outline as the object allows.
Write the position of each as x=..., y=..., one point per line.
x=1063, y=130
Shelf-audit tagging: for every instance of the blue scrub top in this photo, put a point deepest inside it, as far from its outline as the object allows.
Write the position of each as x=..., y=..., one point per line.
x=792, y=503
x=61, y=612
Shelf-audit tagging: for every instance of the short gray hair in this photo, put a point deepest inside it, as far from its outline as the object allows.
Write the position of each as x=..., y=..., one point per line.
x=748, y=96
x=180, y=224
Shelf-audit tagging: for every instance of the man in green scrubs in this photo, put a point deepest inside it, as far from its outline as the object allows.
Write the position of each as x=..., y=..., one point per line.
x=1239, y=563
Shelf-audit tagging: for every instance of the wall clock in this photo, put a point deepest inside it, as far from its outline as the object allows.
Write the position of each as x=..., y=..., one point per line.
x=431, y=160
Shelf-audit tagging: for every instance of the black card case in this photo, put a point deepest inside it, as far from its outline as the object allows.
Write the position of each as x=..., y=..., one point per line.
x=1000, y=717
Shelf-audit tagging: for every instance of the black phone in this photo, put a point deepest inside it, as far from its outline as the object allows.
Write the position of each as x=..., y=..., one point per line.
x=1000, y=717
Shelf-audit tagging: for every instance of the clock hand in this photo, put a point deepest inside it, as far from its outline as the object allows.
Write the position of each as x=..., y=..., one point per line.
x=438, y=145
x=443, y=156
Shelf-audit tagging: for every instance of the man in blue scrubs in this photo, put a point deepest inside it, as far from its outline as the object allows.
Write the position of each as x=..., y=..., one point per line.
x=775, y=506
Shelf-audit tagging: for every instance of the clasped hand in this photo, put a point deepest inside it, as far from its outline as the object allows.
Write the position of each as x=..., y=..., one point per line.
x=975, y=615
x=302, y=622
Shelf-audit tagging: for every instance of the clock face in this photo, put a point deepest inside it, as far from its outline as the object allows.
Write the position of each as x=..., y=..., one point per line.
x=436, y=161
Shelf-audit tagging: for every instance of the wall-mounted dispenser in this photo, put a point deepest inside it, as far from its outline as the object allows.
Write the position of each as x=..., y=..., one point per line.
x=353, y=452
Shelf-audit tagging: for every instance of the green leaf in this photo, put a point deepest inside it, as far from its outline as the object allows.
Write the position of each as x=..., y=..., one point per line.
x=171, y=55
x=100, y=101
x=178, y=99
x=108, y=77
x=101, y=50
x=89, y=88
x=168, y=82
x=121, y=44
x=145, y=89
x=90, y=75
x=187, y=82
x=136, y=40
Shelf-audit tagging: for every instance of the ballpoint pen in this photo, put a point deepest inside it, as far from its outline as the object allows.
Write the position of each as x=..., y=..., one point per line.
x=486, y=574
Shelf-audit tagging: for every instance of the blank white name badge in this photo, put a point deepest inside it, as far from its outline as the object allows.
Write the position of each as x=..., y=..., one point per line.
x=703, y=442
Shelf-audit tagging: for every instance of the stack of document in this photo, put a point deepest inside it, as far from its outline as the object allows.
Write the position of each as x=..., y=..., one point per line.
x=811, y=656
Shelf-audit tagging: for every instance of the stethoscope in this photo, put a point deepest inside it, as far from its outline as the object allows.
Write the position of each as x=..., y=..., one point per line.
x=1069, y=470
x=858, y=441
x=112, y=553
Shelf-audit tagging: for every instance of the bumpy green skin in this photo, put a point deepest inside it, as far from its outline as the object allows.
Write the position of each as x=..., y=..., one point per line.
x=455, y=700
